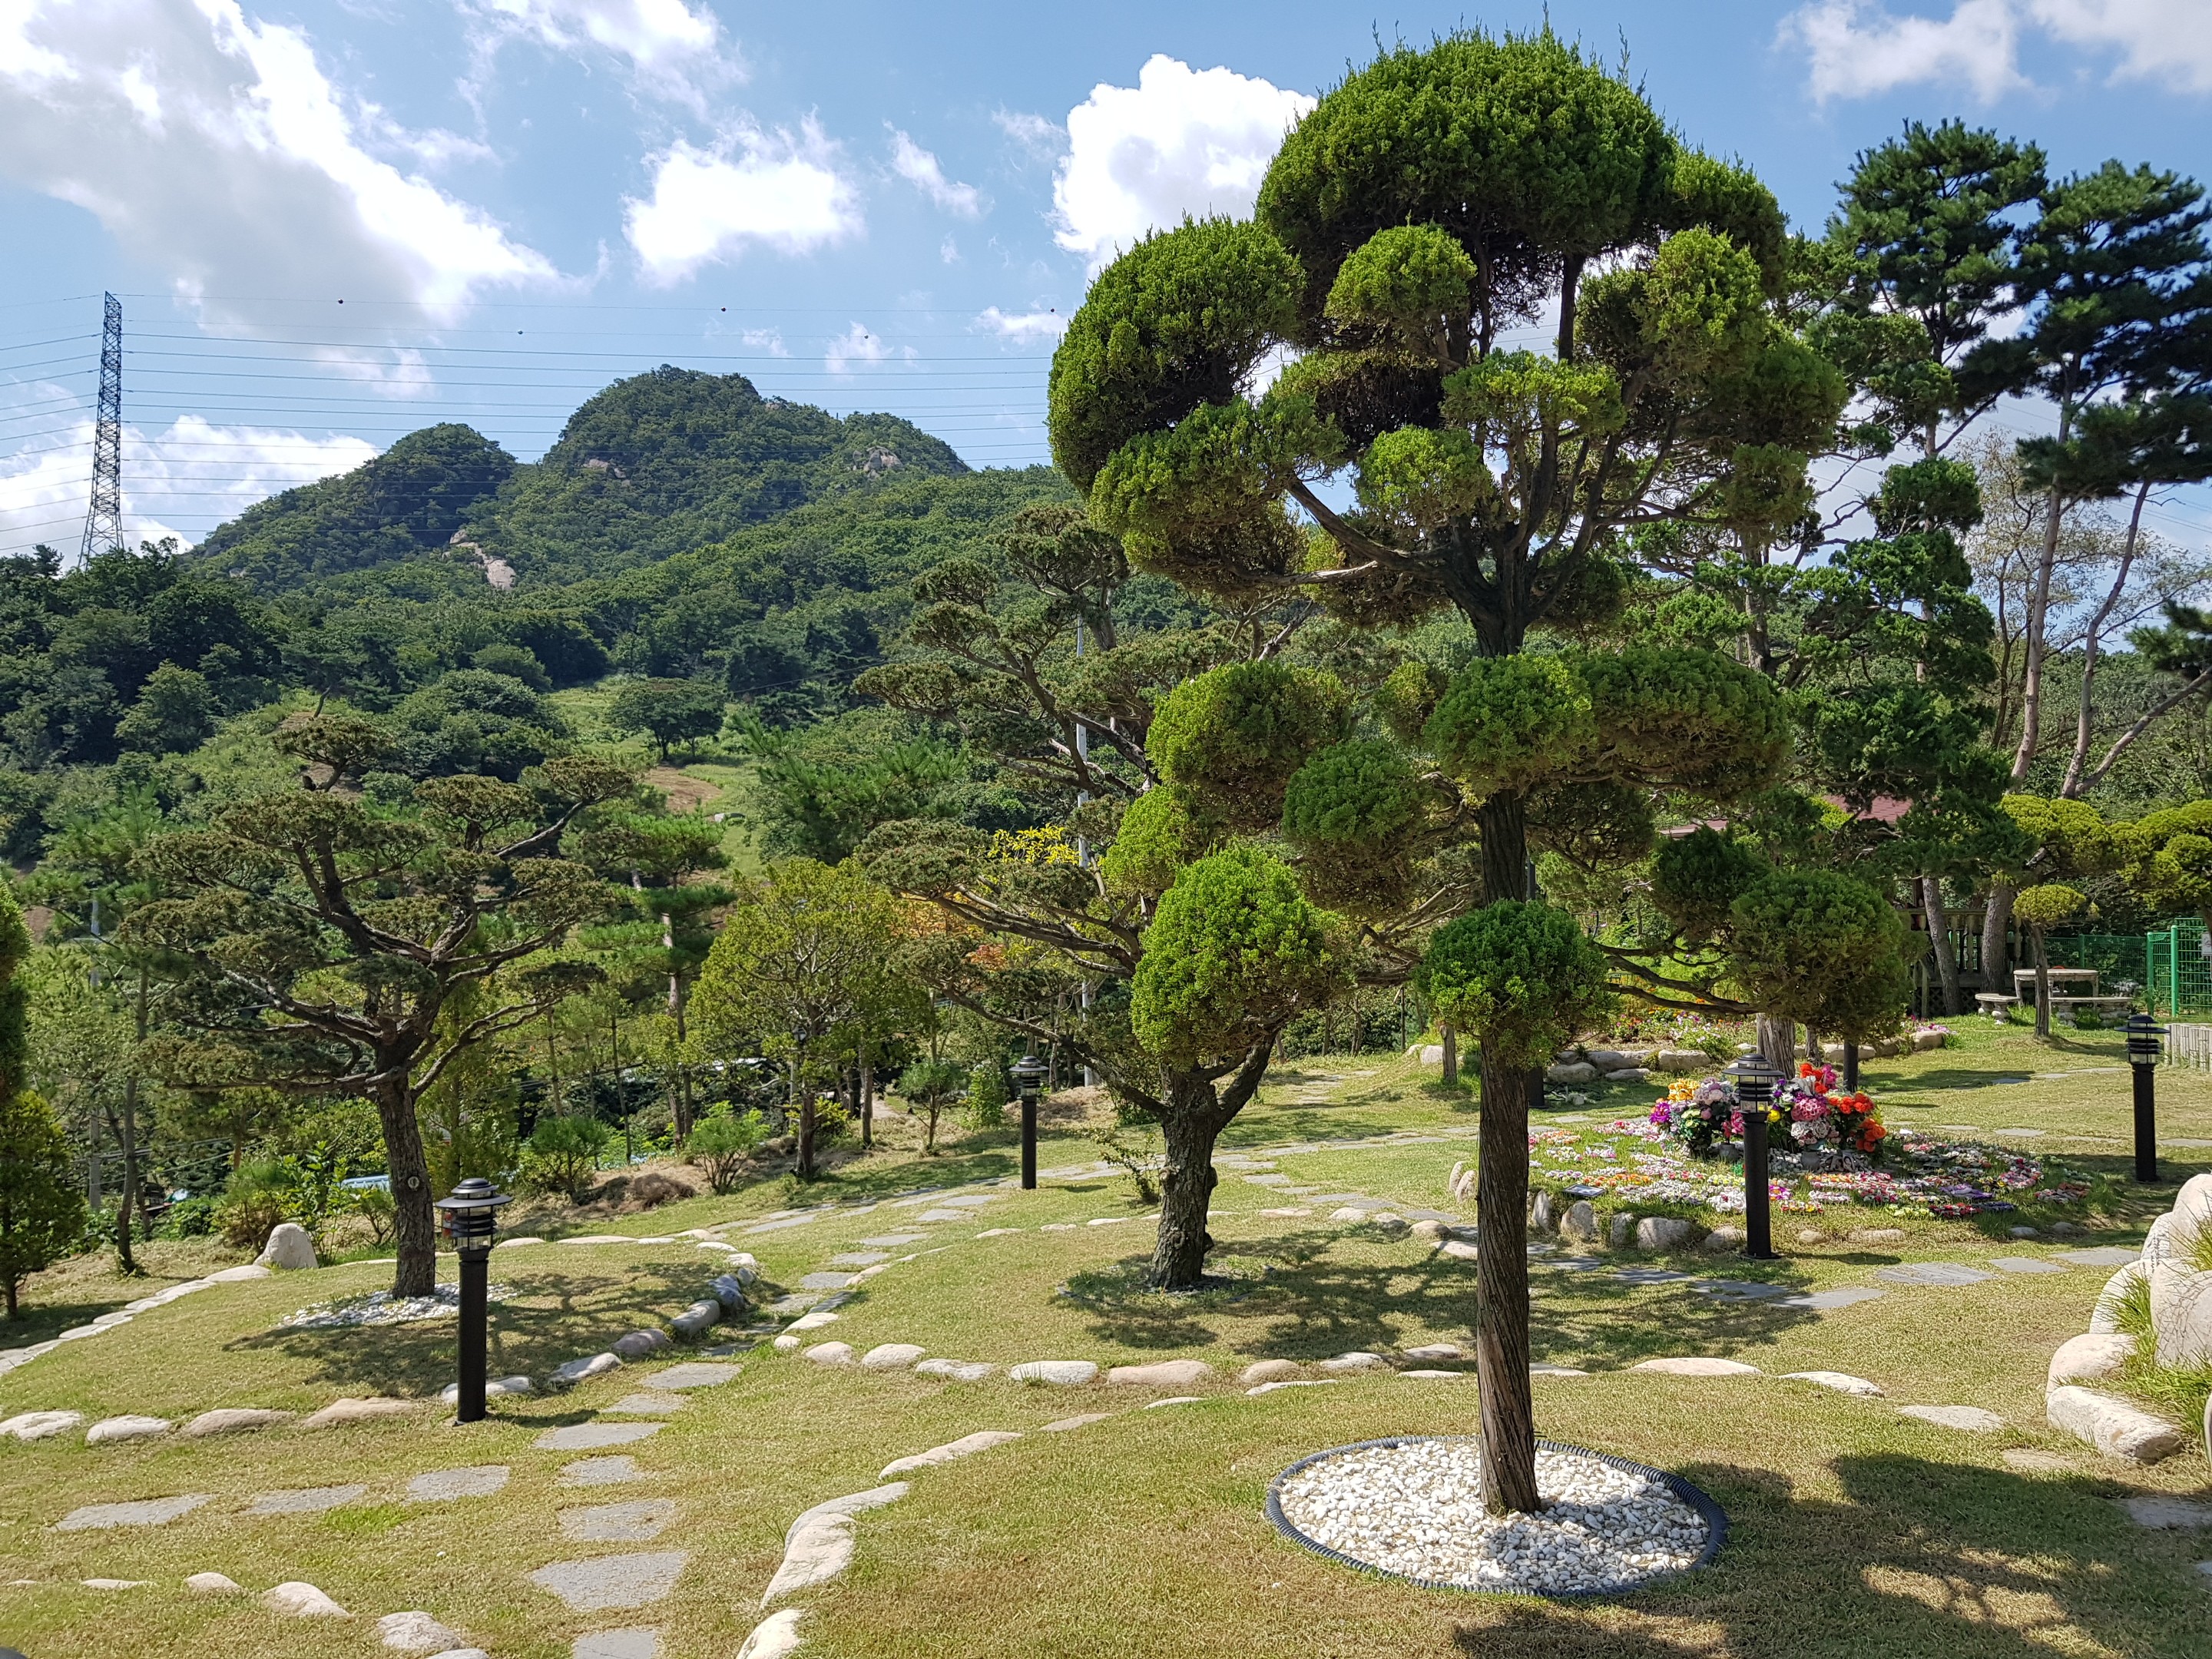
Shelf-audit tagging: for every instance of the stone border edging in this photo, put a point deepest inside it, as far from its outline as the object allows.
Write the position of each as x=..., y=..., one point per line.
x=1715, y=1518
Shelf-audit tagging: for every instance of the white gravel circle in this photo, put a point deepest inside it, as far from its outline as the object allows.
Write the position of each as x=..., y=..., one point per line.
x=1415, y=1509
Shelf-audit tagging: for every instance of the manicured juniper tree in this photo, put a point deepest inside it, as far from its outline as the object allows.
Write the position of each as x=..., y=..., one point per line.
x=2062, y=842
x=319, y=938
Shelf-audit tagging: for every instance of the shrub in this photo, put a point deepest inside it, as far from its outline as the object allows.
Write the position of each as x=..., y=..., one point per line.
x=562, y=1155
x=931, y=1085
x=986, y=1108
x=723, y=1144
x=257, y=1195
x=191, y=1217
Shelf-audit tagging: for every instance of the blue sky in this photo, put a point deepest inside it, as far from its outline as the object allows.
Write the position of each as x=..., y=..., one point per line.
x=866, y=206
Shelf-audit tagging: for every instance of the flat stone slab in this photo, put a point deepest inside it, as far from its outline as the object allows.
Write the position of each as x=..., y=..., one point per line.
x=828, y=1281
x=1064, y=1373
x=1849, y=1295
x=1972, y=1418
x=693, y=1376
x=894, y=1241
x=600, y=1472
x=305, y=1500
x=2027, y=1264
x=647, y=1405
x=596, y=1437
x=146, y=1512
x=945, y=1215
x=638, y=1521
x=636, y=1643
x=1743, y=1290
x=1082, y=1421
x=967, y=1446
x=1657, y=1276
x=956, y=1370
x=417, y=1631
x=1948, y=1274
x=441, y=1486
x=2171, y=1514
x=860, y=1258
x=1841, y=1382
x=613, y=1581
x=1697, y=1365
x=2103, y=1256
x=892, y=1356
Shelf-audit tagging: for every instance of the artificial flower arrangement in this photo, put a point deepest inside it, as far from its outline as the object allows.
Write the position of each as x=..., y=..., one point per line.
x=1698, y=1113
x=1809, y=1115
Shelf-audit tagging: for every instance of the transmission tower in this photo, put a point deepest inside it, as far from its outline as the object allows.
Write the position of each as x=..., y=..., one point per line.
x=103, y=522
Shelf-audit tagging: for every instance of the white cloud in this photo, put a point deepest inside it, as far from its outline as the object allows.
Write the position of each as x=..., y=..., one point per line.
x=857, y=345
x=1858, y=49
x=922, y=169
x=772, y=188
x=182, y=481
x=215, y=149
x=1179, y=141
x=769, y=340
x=1025, y=325
x=671, y=50
x=1032, y=132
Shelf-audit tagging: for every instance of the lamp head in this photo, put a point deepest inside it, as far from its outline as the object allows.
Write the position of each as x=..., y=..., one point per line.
x=1029, y=1076
x=2143, y=1034
x=472, y=1213
x=1753, y=1075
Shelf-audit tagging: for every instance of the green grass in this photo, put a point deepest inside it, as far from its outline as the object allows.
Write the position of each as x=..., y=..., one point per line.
x=1854, y=1531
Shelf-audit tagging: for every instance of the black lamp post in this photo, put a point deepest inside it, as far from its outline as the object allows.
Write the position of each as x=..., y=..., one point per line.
x=2143, y=1034
x=472, y=1217
x=1754, y=1080
x=1028, y=1078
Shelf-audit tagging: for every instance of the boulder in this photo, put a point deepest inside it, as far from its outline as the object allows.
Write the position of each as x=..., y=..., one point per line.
x=1433, y=1055
x=656, y=1187
x=1611, y=1059
x=299, y=1601
x=41, y=1425
x=1841, y=1382
x=892, y=1356
x=1621, y=1232
x=1924, y=1040
x=2088, y=1358
x=213, y=1583
x=1061, y=1373
x=584, y=1369
x=288, y=1247
x=340, y=1412
x=2192, y=1205
x=776, y=1636
x=697, y=1319
x=1451, y=1181
x=1579, y=1224
x=1430, y=1351
x=1664, y=1232
x=830, y=1353
x=2181, y=1314
x=1161, y=1374
x=2104, y=1317
x=234, y=1419
x=1722, y=1240
x=730, y=1291
x=639, y=1345
x=1680, y=1059
x=116, y=1430
x=1429, y=1232
x=1356, y=1361
x=1629, y=1074
x=1543, y=1212
x=1571, y=1072
x=1269, y=1370
x=415, y=1631
x=2113, y=1426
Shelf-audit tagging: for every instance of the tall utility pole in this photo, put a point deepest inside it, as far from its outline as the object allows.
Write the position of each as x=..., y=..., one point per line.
x=103, y=522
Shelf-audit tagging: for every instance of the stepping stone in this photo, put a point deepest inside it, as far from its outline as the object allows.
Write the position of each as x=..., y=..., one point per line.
x=1161, y=1374
x=1063, y=1373
x=1555, y=1370
x=860, y=1258
x=782, y=1226
x=634, y=1643
x=2170, y=1513
x=1295, y=1382
x=297, y=1600
x=415, y=1631
x=234, y=1419
x=776, y=1636
x=1459, y=1249
x=442, y=1486
x=115, y=1430
x=1947, y=1273
x=944, y=1215
x=647, y=1405
x=2027, y=1264
x=966, y=1446
x=1841, y=1382
x=600, y=1238
x=1669, y=1276
x=1356, y=1361
x=1083, y=1421
x=813, y=1321
x=2104, y=1255
x=583, y=1370
x=339, y=1413
x=830, y=1353
x=147, y=1512
x=613, y=1581
x=1289, y=1214
x=1698, y=1366
x=828, y=1281
x=600, y=1472
x=636, y=1522
x=1060, y=1227
x=1972, y=1418
x=1827, y=1301
x=41, y=1425
x=595, y=1437
x=990, y=1233
x=956, y=1370
x=1434, y=1375
x=892, y=1356
x=895, y=1241
x=213, y=1583
x=693, y=1376
x=305, y=1500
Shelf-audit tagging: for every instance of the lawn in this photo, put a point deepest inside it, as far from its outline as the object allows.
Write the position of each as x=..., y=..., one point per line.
x=1855, y=1530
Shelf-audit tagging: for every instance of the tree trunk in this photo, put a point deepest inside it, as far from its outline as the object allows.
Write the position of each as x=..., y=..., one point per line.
x=1189, y=1128
x=2042, y=983
x=1501, y=1289
x=1777, y=1041
x=2092, y=640
x=1451, y=1056
x=867, y=1099
x=415, y=1223
x=1939, y=936
x=1996, y=923
x=807, y=1115
x=130, y=1138
x=2039, y=617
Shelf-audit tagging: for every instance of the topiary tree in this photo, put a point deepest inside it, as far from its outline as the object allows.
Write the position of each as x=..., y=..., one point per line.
x=931, y=1086
x=2068, y=841
x=2038, y=908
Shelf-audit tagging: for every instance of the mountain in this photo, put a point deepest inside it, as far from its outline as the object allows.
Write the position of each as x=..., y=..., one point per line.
x=653, y=465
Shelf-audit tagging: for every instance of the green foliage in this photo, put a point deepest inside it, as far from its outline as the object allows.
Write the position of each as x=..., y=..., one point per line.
x=1520, y=976
x=1158, y=834
x=471, y=721
x=1409, y=278
x=1732, y=200
x=1232, y=737
x=1822, y=948
x=2069, y=839
x=2166, y=857
x=668, y=711
x=1234, y=950
x=984, y=1106
x=175, y=711
x=1422, y=477
x=723, y=1142
x=932, y=1086
x=1697, y=878
x=2050, y=904
x=1353, y=812
x=562, y=1154
x=42, y=1211
x=1509, y=723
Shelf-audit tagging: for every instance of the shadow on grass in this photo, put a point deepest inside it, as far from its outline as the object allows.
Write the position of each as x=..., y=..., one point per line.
x=1282, y=1298
x=1918, y=1558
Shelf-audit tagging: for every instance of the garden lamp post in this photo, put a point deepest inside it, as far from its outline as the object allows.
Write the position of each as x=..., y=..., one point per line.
x=2144, y=1033
x=1754, y=1079
x=472, y=1217
x=1028, y=1078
